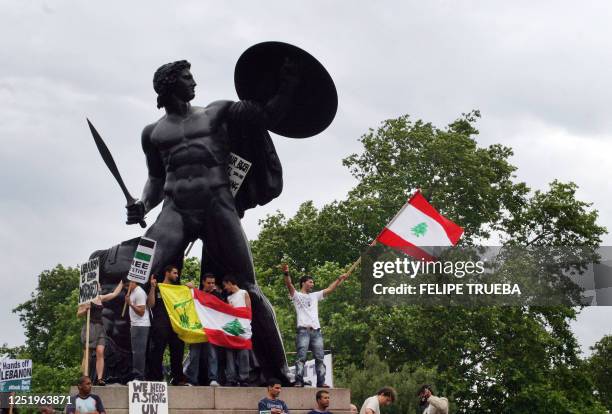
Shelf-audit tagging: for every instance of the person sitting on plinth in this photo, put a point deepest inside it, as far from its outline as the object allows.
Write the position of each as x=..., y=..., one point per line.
x=271, y=404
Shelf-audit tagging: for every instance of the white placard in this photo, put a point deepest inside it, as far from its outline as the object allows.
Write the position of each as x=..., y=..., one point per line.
x=237, y=169
x=148, y=397
x=89, y=284
x=310, y=373
x=140, y=270
x=15, y=375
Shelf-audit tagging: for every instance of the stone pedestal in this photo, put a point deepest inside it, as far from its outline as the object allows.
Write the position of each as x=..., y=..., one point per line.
x=225, y=400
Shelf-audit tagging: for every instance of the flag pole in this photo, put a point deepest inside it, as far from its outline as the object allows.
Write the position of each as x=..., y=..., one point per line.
x=86, y=356
x=358, y=261
x=189, y=248
x=124, y=302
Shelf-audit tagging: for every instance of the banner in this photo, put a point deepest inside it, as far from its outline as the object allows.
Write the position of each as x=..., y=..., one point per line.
x=140, y=270
x=310, y=373
x=224, y=325
x=182, y=312
x=147, y=397
x=15, y=375
x=237, y=169
x=89, y=283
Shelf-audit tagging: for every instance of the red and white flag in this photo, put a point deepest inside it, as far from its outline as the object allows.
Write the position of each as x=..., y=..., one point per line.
x=224, y=325
x=417, y=228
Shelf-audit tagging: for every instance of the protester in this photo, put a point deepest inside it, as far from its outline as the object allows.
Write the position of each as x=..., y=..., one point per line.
x=139, y=328
x=85, y=402
x=6, y=404
x=384, y=396
x=272, y=403
x=322, y=398
x=238, y=298
x=46, y=409
x=432, y=404
x=306, y=305
x=354, y=409
x=163, y=335
x=97, y=334
x=192, y=367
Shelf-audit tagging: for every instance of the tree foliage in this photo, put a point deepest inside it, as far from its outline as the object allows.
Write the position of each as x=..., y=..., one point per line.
x=600, y=369
x=489, y=359
x=52, y=330
x=485, y=360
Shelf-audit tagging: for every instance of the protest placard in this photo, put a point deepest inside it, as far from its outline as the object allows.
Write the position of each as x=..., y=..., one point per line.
x=15, y=375
x=147, y=397
x=237, y=169
x=310, y=372
x=140, y=270
x=90, y=281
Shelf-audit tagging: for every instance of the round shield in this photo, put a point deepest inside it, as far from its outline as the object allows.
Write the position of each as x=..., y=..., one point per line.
x=314, y=102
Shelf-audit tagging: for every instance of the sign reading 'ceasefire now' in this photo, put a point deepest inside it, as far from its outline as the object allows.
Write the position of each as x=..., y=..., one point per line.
x=140, y=270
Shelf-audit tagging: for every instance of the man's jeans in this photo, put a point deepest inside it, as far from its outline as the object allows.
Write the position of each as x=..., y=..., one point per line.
x=240, y=357
x=139, y=336
x=192, y=365
x=309, y=339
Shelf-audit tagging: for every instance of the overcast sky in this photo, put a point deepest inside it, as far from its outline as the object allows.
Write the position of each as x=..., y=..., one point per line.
x=540, y=72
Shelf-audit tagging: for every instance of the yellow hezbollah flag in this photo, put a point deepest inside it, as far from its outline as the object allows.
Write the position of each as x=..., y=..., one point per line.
x=182, y=313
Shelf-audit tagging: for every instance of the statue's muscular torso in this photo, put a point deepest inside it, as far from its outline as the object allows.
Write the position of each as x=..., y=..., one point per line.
x=192, y=153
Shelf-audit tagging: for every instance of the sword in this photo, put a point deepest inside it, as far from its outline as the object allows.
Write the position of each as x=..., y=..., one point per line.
x=110, y=163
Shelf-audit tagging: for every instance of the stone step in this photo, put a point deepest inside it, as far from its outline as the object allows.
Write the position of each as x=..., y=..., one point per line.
x=225, y=400
x=226, y=411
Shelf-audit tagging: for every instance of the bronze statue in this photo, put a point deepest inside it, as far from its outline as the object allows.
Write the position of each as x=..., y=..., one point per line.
x=284, y=90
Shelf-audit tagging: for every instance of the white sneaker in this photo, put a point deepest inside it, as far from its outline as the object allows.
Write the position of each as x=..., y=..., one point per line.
x=214, y=384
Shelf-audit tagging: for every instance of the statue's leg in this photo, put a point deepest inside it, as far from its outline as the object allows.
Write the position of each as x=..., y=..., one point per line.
x=169, y=233
x=226, y=250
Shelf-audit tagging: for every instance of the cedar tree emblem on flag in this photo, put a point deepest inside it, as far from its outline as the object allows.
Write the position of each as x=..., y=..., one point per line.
x=418, y=228
x=234, y=328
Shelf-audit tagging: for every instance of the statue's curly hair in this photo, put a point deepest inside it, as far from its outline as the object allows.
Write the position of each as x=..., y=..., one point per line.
x=164, y=79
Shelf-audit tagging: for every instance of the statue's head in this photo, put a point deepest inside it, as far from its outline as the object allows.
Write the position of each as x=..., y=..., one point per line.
x=174, y=80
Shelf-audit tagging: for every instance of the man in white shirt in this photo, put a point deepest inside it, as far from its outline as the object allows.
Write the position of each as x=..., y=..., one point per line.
x=139, y=328
x=384, y=396
x=433, y=404
x=238, y=298
x=306, y=305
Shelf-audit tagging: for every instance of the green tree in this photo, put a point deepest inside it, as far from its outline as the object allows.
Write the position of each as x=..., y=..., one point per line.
x=405, y=379
x=490, y=359
x=600, y=369
x=52, y=330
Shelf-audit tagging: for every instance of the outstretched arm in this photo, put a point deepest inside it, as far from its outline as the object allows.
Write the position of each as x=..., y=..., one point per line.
x=274, y=110
x=151, y=297
x=113, y=294
x=278, y=106
x=334, y=284
x=290, y=288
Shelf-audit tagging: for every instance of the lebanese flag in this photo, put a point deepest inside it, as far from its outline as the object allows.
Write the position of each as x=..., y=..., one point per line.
x=417, y=228
x=224, y=325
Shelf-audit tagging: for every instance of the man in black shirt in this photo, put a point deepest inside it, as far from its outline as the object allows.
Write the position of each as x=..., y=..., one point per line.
x=163, y=335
